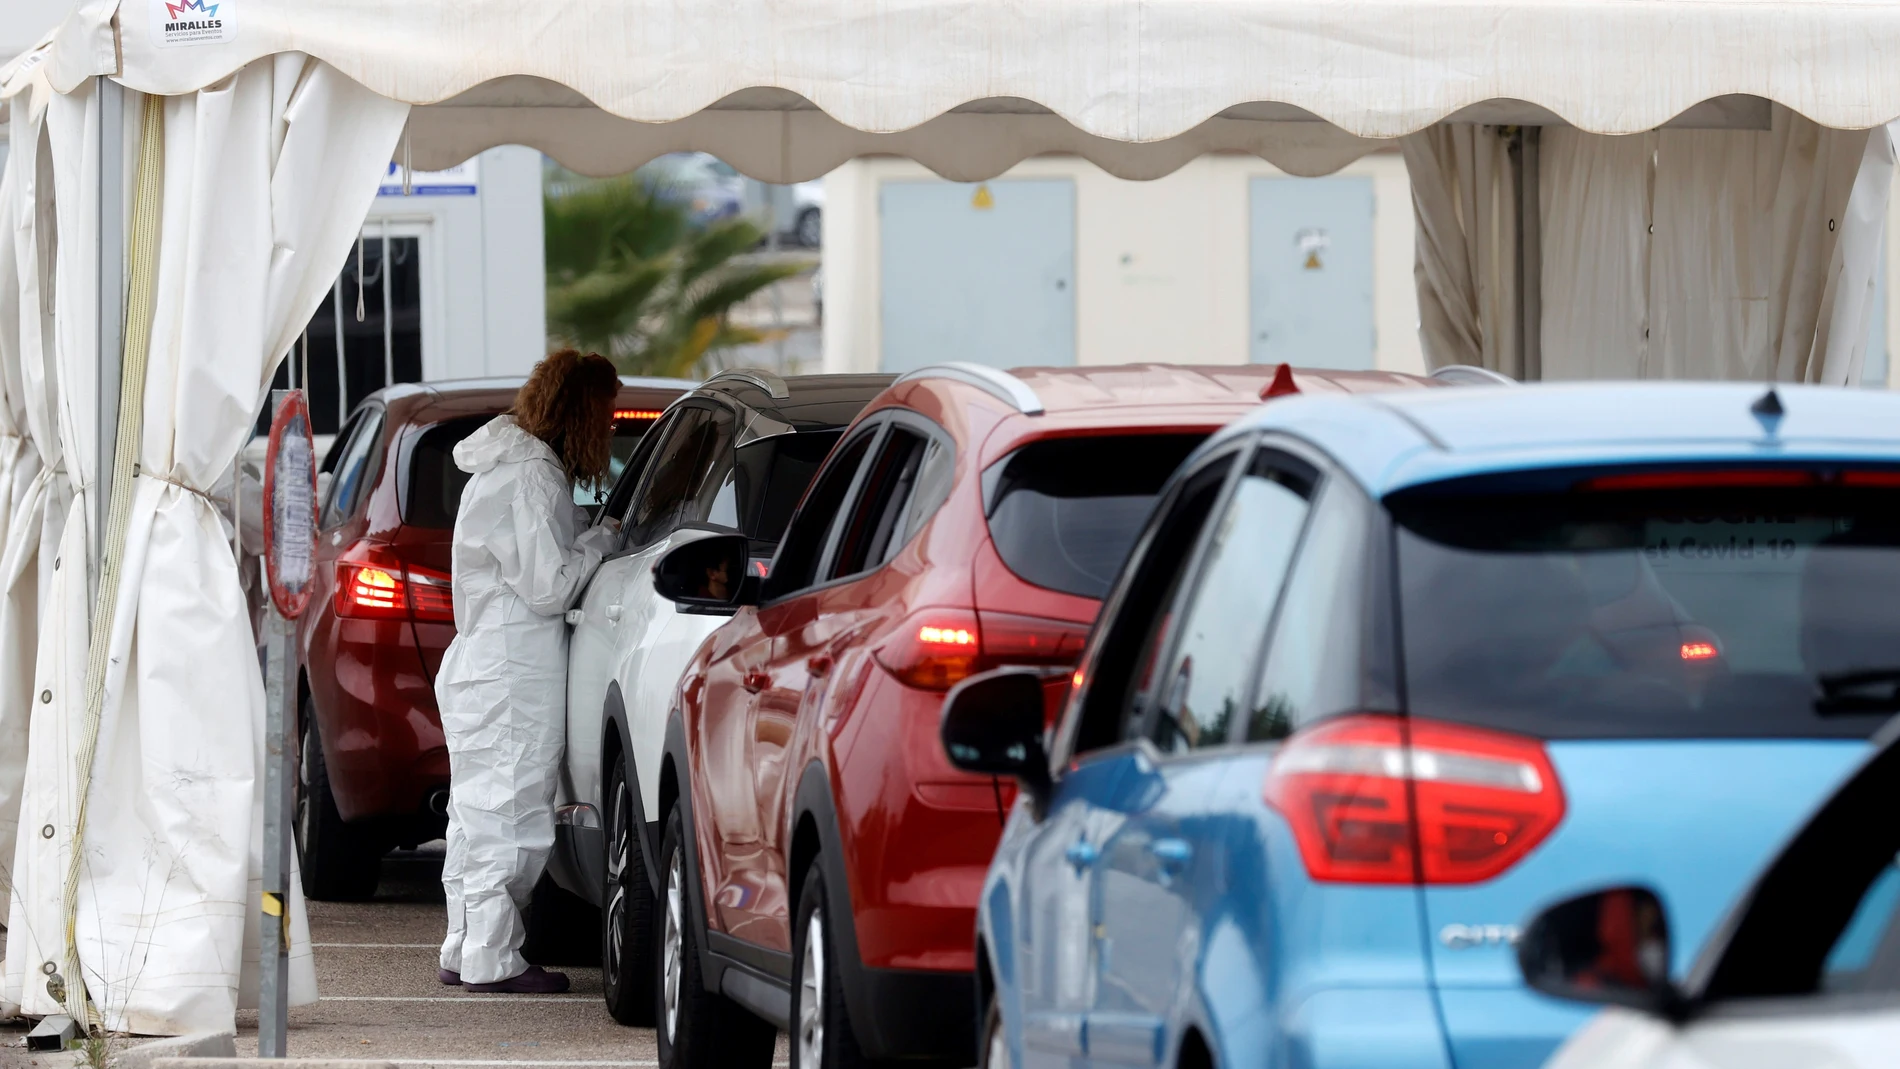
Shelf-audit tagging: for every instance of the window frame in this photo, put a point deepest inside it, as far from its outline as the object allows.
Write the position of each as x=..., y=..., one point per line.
x=871, y=432
x=367, y=419
x=902, y=532
x=677, y=414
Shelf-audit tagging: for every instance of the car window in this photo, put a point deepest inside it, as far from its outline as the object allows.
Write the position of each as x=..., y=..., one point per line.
x=354, y=469
x=684, y=474
x=1224, y=621
x=1319, y=660
x=629, y=431
x=1064, y=511
x=1866, y=957
x=796, y=565
x=1599, y=605
x=620, y=500
x=902, y=488
x=1135, y=617
x=765, y=480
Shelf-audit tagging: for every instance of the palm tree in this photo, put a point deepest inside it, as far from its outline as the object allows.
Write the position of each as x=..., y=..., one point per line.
x=629, y=275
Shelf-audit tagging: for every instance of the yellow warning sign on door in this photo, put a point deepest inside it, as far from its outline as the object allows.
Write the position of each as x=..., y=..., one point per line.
x=982, y=201
x=1312, y=261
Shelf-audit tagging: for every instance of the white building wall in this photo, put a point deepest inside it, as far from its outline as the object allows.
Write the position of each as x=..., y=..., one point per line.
x=1162, y=267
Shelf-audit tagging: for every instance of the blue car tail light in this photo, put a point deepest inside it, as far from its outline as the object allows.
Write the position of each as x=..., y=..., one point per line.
x=1383, y=799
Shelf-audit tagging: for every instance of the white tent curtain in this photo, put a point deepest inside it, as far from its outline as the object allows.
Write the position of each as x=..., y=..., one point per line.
x=1712, y=254
x=267, y=177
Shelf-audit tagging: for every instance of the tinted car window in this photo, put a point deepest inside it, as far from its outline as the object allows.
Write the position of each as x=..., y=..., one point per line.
x=1119, y=670
x=1866, y=956
x=353, y=470
x=796, y=565
x=873, y=533
x=765, y=481
x=433, y=488
x=1687, y=612
x=1064, y=512
x=1224, y=622
x=684, y=475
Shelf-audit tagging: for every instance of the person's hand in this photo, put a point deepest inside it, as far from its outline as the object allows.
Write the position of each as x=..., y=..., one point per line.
x=611, y=524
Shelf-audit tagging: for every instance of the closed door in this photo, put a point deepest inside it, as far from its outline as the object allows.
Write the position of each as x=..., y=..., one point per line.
x=1311, y=258
x=983, y=272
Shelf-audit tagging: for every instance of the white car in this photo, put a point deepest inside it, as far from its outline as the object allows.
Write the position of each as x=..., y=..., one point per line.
x=808, y=213
x=733, y=455
x=1804, y=973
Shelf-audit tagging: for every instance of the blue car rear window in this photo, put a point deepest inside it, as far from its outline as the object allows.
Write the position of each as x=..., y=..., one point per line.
x=1587, y=606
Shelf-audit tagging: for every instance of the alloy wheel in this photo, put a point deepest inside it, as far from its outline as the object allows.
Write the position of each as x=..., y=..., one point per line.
x=670, y=956
x=619, y=857
x=811, y=997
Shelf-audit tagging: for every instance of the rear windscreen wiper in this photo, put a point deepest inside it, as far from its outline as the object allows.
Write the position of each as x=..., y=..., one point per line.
x=1872, y=691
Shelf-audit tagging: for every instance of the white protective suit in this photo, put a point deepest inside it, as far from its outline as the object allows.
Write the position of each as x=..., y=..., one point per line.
x=503, y=686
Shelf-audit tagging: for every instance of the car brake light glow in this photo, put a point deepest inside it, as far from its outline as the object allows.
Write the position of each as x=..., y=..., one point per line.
x=1698, y=651
x=373, y=584
x=932, y=635
x=1376, y=798
x=937, y=648
x=623, y=414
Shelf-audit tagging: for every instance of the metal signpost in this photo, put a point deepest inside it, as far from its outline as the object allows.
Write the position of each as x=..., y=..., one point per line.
x=290, y=539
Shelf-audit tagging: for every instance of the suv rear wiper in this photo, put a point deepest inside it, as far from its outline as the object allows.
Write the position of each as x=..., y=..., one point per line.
x=1879, y=692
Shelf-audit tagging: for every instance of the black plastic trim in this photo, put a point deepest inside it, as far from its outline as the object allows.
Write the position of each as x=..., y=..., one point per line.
x=613, y=723
x=765, y=997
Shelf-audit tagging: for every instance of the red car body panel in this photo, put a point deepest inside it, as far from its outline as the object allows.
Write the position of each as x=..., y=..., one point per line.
x=796, y=682
x=371, y=682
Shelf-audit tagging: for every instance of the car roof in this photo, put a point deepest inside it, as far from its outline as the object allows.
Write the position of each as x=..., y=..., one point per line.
x=430, y=402
x=804, y=402
x=1393, y=440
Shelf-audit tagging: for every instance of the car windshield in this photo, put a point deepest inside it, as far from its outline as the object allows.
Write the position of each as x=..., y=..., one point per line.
x=1573, y=605
x=433, y=488
x=1064, y=512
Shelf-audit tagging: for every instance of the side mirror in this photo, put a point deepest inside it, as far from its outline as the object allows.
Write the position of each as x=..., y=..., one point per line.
x=707, y=574
x=1608, y=947
x=992, y=725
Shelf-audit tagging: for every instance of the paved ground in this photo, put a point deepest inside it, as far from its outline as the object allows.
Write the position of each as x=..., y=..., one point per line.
x=380, y=998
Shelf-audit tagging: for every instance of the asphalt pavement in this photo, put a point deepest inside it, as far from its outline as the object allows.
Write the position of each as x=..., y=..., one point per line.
x=379, y=997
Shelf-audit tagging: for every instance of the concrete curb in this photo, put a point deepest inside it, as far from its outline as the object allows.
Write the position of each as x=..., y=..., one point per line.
x=192, y=1047
x=271, y=1063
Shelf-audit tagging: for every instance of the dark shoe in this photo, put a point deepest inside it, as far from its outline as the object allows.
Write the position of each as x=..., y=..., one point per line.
x=449, y=977
x=535, y=981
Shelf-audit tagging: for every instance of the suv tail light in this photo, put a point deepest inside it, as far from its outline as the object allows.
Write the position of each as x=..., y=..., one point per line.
x=937, y=648
x=1376, y=798
x=372, y=583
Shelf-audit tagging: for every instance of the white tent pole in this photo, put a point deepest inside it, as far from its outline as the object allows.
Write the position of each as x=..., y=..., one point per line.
x=111, y=310
x=389, y=319
x=342, y=371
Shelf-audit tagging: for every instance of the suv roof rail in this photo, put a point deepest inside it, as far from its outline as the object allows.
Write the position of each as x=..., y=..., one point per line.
x=773, y=386
x=1472, y=375
x=1001, y=384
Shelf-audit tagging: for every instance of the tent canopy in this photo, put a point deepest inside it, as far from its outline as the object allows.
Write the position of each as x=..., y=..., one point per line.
x=787, y=90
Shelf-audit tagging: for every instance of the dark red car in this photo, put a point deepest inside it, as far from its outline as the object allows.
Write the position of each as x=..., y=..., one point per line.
x=821, y=858
x=375, y=772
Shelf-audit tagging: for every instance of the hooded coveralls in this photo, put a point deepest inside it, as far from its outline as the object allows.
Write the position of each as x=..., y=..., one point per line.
x=502, y=689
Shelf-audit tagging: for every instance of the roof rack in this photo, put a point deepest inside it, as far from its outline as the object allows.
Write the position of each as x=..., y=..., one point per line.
x=1471, y=375
x=773, y=386
x=1000, y=384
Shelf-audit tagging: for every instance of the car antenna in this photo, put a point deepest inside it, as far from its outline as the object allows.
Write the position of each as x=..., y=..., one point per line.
x=1281, y=385
x=1768, y=410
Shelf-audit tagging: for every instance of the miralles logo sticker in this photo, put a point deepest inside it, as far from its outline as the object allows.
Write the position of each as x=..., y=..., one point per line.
x=190, y=22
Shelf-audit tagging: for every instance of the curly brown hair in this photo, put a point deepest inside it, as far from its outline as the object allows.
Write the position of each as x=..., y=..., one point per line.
x=568, y=402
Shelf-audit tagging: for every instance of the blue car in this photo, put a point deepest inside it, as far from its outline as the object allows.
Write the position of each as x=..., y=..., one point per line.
x=1387, y=673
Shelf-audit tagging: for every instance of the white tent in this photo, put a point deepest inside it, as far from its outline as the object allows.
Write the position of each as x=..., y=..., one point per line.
x=1667, y=188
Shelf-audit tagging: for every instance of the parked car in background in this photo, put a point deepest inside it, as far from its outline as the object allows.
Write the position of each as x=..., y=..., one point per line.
x=734, y=455
x=808, y=213
x=374, y=772
x=820, y=859
x=1805, y=971
x=707, y=186
x=1386, y=672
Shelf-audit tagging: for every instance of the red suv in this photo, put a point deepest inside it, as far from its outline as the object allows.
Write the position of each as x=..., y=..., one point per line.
x=821, y=858
x=375, y=773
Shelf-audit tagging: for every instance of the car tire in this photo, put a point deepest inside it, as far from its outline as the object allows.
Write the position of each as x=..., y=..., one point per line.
x=822, y=1035
x=993, y=1052
x=695, y=1028
x=562, y=927
x=810, y=228
x=340, y=862
x=626, y=916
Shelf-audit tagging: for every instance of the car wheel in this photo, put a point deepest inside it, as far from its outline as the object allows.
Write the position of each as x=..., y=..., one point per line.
x=822, y=1036
x=994, y=1051
x=696, y=1027
x=811, y=228
x=626, y=921
x=340, y=862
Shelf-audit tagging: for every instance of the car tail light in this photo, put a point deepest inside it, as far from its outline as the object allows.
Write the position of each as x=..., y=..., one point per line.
x=937, y=648
x=1375, y=798
x=372, y=583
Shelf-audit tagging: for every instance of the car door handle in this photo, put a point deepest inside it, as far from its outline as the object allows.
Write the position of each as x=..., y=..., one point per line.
x=613, y=614
x=574, y=617
x=756, y=681
x=1173, y=854
x=820, y=665
x=1081, y=854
